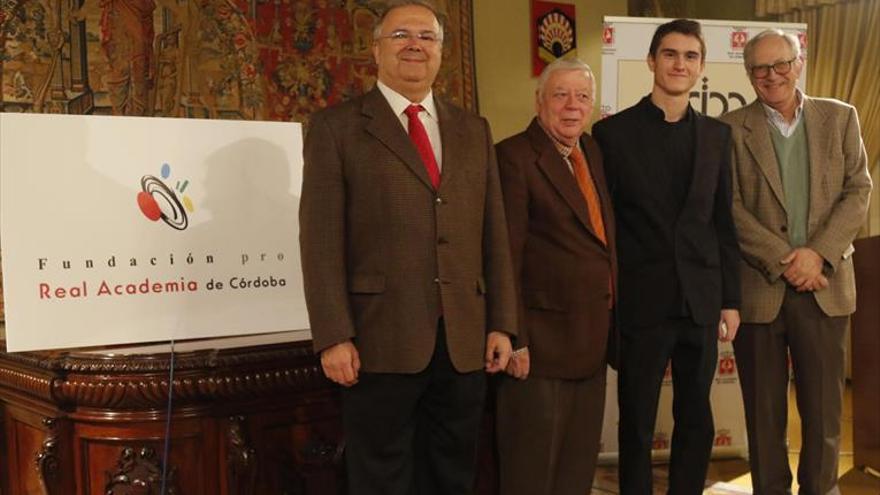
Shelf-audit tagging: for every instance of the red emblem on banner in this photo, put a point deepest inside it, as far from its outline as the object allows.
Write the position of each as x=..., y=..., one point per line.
x=553, y=33
x=738, y=39
x=661, y=441
x=802, y=37
x=608, y=35
x=723, y=438
x=726, y=365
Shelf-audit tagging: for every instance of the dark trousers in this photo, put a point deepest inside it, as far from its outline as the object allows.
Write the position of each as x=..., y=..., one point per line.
x=644, y=354
x=816, y=345
x=414, y=434
x=548, y=434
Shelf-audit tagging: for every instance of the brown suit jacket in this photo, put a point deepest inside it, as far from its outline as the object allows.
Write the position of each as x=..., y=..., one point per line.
x=839, y=190
x=384, y=255
x=561, y=268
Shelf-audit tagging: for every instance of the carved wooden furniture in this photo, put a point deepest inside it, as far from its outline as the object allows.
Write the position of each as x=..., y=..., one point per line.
x=257, y=420
x=866, y=354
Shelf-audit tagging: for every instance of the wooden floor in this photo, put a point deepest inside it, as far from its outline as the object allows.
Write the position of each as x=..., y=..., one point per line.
x=731, y=476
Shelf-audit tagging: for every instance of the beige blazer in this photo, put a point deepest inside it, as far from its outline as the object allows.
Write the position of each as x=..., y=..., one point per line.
x=839, y=190
x=384, y=255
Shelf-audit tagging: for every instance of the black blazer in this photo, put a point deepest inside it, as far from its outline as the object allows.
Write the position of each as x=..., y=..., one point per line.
x=696, y=254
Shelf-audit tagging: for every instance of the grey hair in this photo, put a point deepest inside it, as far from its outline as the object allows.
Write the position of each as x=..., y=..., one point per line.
x=564, y=64
x=396, y=4
x=793, y=44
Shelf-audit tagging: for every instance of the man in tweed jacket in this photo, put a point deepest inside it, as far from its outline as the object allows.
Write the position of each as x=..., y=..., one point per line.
x=800, y=195
x=406, y=265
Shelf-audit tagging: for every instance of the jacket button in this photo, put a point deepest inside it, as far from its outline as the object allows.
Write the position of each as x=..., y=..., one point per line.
x=438, y=200
x=783, y=228
x=442, y=240
x=437, y=281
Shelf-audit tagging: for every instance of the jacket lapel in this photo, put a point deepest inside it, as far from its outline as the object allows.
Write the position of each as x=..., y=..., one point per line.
x=452, y=142
x=556, y=170
x=818, y=142
x=385, y=127
x=759, y=144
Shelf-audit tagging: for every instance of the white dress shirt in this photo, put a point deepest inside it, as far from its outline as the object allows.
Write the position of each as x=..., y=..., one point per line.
x=429, y=118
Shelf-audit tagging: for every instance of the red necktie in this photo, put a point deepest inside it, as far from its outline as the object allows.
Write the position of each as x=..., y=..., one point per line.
x=420, y=139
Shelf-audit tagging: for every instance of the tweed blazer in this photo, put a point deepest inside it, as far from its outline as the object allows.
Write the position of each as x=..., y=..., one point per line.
x=839, y=190
x=562, y=269
x=384, y=254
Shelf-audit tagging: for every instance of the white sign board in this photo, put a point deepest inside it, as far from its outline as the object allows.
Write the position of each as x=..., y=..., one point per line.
x=724, y=86
x=123, y=229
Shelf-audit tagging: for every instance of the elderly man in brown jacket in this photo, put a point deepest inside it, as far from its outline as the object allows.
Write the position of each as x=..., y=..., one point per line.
x=561, y=227
x=800, y=195
x=406, y=265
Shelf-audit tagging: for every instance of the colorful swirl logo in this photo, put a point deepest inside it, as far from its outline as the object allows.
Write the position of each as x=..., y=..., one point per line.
x=158, y=201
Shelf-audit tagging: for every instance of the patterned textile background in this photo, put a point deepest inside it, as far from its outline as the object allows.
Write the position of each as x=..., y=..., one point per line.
x=228, y=59
x=238, y=59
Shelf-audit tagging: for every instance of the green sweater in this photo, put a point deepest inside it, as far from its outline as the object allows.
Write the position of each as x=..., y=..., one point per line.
x=794, y=168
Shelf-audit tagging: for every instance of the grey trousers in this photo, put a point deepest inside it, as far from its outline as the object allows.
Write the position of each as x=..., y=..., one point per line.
x=548, y=434
x=816, y=343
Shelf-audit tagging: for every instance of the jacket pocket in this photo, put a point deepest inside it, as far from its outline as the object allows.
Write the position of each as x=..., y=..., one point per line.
x=541, y=299
x=366, y=284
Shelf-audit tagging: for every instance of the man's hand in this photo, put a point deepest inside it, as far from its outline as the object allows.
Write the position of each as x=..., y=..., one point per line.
x=341, y=363
x=817, y=283
x=804, y=267
x=498, y=350
x=728, y=325
x=518, y=366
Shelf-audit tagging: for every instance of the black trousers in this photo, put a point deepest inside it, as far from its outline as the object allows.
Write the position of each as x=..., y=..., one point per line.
x=414, y=434
x=644, y=354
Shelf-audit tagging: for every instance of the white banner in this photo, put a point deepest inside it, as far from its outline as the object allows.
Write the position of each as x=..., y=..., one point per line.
x=723, y=87
x=122, y=229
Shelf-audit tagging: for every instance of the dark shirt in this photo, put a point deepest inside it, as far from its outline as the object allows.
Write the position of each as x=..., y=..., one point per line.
x=670, y=171
x=675, y=141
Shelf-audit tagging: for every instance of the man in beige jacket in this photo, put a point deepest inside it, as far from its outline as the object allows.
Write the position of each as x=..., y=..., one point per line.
x=800, y=195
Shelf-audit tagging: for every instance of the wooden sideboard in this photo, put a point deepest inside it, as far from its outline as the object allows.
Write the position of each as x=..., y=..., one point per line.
x=259, y=420
x=255, y=420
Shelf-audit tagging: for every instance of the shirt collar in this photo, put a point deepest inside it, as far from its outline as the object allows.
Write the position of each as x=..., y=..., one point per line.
x=657, y=113
x=775, y=116
x=399, y=103
x=563, y=148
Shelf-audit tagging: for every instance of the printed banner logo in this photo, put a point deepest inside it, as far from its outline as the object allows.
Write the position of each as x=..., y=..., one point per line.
x=738, y=39
x=158, y=201
x=608, y=35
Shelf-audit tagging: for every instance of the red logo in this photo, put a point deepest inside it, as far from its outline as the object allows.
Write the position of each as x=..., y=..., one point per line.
x=608, y=35
x=738, y=39
x=661, y=442
x=723, y=438
x=726, y=365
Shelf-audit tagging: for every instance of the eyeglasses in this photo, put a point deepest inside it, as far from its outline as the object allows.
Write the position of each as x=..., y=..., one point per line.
x=762, y=71
x=402, y=36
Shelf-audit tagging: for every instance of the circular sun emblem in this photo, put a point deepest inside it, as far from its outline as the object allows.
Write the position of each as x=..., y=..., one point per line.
x=555, y=36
